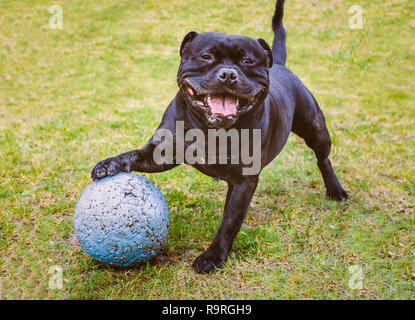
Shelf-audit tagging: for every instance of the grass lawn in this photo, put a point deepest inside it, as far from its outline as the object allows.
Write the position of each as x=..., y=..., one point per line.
x=98, y=87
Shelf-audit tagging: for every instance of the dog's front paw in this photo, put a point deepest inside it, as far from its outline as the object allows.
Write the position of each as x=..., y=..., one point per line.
x=105, y=168
x=208, y=261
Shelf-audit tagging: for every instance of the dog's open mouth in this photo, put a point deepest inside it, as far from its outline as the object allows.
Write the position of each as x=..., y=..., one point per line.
x=223, y=104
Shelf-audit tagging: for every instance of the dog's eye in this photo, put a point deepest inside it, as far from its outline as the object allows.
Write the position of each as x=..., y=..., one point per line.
x=206, y=56
x=247, y=61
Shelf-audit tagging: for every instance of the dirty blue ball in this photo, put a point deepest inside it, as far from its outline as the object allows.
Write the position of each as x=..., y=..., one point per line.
x=121, y=220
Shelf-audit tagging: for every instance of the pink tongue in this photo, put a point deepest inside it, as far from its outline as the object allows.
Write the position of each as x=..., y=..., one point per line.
x=224, y=105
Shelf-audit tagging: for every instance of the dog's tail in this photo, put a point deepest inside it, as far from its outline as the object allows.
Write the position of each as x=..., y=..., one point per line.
x=279, y=51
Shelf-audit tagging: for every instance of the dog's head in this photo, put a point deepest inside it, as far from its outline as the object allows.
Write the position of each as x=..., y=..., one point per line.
x=223, y=77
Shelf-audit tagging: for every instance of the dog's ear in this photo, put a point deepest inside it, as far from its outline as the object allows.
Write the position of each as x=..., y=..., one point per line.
x=187, y=38
x=267, y=51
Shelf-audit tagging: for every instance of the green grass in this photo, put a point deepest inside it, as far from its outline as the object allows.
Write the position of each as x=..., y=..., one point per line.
x=98, y=87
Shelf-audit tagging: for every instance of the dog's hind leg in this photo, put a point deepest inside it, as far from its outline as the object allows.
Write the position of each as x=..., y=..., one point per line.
x=309, y=123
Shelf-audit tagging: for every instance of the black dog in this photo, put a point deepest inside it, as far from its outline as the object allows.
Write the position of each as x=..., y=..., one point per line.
x=234, y=82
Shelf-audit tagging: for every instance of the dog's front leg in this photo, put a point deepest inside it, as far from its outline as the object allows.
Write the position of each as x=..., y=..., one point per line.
x=237, y=204
x=141, y=160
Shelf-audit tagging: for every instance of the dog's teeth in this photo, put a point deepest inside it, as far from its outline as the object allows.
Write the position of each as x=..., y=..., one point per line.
x=237, y=103
x=209, y=100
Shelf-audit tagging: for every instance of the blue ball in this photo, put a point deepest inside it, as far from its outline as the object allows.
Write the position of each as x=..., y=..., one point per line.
x=121, y=220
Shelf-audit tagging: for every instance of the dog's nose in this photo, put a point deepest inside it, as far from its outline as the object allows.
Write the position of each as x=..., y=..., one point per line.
x=228, y=75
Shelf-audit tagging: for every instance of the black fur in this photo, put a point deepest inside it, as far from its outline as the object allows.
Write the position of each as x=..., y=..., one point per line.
x=283, y=105
x=278, y=46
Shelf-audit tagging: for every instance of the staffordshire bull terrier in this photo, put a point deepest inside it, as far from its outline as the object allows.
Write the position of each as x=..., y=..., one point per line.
x=234, y=83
